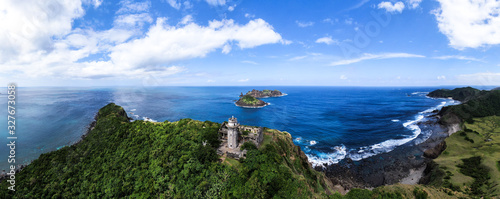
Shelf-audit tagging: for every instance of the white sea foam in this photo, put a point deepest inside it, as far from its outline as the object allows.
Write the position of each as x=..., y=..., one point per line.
x=320, y=159
x=148, y=119
x=132, y=109
x=340, y=153
x=312, y=142
x=420, y=93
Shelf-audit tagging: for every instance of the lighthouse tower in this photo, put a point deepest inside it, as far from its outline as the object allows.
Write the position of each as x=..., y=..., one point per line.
x=232, y=133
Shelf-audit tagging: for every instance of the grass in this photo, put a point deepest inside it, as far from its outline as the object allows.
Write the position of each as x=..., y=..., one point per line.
x=248, y=99
x=233, y=163
x=459, y=147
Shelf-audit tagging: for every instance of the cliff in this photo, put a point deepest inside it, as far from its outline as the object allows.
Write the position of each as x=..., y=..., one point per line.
x=121, y=159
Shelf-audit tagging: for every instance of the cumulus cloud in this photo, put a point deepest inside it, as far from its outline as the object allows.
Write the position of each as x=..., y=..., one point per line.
x=29, y=27
x=368, y=56
x=164, y=43
x=38, y=40
x=392, y=8
x=413, y=3
x=244, y=80
x=469, y=24
x=327, y=40
x=304, y=24
x=343, y=77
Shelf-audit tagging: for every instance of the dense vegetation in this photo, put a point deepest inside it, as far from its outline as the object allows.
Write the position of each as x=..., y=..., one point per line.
x=486, y=103
x=166, y=160
x=248, y=100
x=460, y=94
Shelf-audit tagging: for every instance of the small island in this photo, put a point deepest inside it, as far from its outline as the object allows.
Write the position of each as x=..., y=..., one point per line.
x=248, y=101
x=264, y=93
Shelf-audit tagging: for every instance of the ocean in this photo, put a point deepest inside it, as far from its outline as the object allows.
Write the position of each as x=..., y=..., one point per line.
x=328, y=123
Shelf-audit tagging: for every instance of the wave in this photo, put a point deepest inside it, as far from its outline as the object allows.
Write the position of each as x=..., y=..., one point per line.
x=312, y=142
x=147, y=119
x=132, y=109
x=420, y=93
x=340, y=152
x=320, y=158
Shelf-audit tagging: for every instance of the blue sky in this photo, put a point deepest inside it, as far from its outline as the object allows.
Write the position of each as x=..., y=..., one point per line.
x=237, y=42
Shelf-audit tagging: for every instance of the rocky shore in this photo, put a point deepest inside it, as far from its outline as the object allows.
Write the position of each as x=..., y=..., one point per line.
x=405, y=164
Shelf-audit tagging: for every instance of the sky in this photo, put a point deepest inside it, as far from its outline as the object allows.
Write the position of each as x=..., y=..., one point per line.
x=249, y=43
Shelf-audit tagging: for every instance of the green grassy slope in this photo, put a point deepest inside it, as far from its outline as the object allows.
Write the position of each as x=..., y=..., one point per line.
x=480, y=139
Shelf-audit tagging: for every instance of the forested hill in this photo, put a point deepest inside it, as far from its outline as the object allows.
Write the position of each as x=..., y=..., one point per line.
x=476, y=104
x=140, y=159
x=461, y=94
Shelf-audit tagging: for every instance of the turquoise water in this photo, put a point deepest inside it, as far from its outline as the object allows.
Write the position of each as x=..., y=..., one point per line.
x=329, y=123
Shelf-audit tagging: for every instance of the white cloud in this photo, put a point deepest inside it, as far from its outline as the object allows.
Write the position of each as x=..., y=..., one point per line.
x=367, y=56
x=349, y=21
x=210, y=81
x=216, y=2
x=247, y=15
x=392, y=8
x=297, y=58
x=327, y=40
x=29, y=27
x=174, y=3
x=413, y=3
x=249, y=62
x=231, y=8
x=244, y=80
x=165, y=44
x=96, y=3
x=187, y=5
x=442, y=77
x=487, y=78
x=458, y=57
x=128, y=6
x=128, y=20
x=343, y=77
x=37, y=40
x=187, y=19
x=304, y=24
x=330, y=20
x=469, y=24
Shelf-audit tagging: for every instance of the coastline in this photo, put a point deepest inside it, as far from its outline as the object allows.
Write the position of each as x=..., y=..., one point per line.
x=405, y=164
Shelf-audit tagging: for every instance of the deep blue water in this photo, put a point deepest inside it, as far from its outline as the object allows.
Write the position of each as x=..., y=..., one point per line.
x=329, y=123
